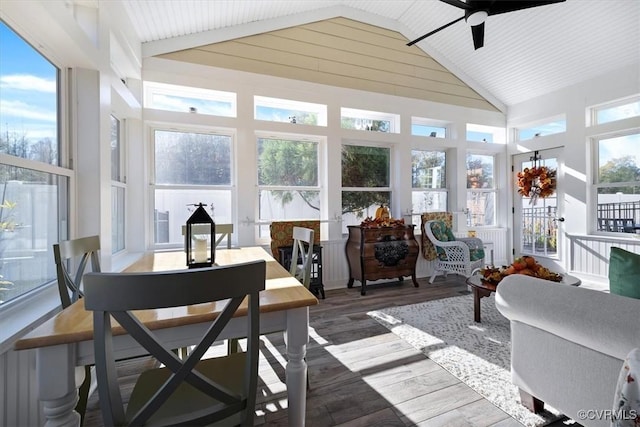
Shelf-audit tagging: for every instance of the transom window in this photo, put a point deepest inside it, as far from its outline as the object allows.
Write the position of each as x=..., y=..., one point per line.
x=426, y=127
x=542, y=129
x=369, y=120
x=618, y=110
x=186, y=99
x=483, y=133
x=287, y=111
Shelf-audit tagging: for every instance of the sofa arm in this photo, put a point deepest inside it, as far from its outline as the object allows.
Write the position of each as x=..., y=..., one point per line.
x=604, y=322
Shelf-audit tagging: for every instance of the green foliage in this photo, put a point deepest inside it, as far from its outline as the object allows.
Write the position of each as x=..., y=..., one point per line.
x=285, y=163
x=479, y=173
x=622, y=169
x=7, y=222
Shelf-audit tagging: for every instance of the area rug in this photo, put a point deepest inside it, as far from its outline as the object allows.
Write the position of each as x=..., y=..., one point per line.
x=478, y=354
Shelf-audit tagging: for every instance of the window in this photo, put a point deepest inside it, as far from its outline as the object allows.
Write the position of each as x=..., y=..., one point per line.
x=617, y=183
x=543, y=129
x=187, y=99
x=614, y=111
x=428, y=173
x=426, y=127
x=287, y=111
x=288, y=186
x=482, y=133
x=369, y=120
x=366, y=182
x=481, y=191
x=34, y=199
x=118, y=188
x=190, y=168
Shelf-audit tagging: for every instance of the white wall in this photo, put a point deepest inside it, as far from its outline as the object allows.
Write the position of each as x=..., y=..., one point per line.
x=575, y=102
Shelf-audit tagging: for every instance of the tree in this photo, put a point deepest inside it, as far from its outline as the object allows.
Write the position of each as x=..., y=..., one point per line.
x=622, y=169
x=285, y=163
x=366, y=167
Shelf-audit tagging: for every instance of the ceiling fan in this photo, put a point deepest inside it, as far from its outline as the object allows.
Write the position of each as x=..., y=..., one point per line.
x=477, y=11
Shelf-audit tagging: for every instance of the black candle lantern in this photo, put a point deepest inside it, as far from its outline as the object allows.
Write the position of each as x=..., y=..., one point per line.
x=200, y=237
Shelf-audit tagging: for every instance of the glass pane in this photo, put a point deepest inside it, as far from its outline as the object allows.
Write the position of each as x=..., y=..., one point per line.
x=115, y=149
x=618, y=211
x=192, y=158
x=619, y=160
x=539, y=227
x=542, y=130
x=273, y=114
x=30, y=223
x=173, y=208
x=427, y=201
x=482, y=207
x=366, y=124
x=365, y=166
x=428, y=169
x=189, y=99
x=29, y=100
x=282, y=205
x=479, y=171
x=117, y=219
x=432, y=131
x=287, y=163
x=358, y=205
x=619, y=112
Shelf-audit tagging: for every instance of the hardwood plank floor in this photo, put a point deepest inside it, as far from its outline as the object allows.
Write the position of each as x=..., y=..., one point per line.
x=361, y=375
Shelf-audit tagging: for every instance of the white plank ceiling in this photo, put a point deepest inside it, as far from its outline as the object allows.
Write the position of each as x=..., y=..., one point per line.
x=526, y=53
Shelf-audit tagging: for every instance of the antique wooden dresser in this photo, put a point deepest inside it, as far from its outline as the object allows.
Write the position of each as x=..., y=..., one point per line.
x=375, y=253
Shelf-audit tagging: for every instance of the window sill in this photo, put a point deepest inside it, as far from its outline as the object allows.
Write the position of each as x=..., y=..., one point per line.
x=25, y=314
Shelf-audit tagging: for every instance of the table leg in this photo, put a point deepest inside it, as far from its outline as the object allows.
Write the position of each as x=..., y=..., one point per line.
x=297, y=338
x=476, y=304
x=58, y=380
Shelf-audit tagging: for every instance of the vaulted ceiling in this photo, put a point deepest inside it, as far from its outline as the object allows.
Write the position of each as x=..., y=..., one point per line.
x=526, y=53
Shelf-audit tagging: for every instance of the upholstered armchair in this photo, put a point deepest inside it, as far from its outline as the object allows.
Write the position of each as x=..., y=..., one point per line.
x=453, y=255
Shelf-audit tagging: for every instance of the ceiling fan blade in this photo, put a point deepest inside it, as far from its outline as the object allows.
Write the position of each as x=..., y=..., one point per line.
x=499, y=6
x=477, y=32
x=411, y=43
x=457, y=3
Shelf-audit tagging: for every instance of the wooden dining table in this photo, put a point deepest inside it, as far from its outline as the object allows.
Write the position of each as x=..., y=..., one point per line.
x=64, y=343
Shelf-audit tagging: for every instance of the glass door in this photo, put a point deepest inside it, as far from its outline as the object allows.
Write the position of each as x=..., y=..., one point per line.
x=538, y=205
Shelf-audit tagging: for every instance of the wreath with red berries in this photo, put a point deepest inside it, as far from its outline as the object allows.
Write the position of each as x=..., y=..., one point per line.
x=537, y=182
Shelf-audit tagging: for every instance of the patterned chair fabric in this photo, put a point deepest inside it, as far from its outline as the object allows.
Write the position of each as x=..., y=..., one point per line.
x=428, y=250
x=282, y=234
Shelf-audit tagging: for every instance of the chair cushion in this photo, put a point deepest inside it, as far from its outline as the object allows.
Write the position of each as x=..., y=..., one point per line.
x=624, y=270
x=444, y=234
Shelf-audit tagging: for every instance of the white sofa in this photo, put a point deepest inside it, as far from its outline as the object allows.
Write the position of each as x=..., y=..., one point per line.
x=568, y=343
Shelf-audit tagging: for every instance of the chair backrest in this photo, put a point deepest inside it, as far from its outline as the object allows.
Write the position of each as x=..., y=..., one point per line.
x=428, y=250
x=117, y=294
x=281, y=233
x=87, y=249
x=222, y=231
x=303, y=249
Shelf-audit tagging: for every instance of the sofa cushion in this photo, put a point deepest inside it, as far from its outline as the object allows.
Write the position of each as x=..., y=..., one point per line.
x=624, y=273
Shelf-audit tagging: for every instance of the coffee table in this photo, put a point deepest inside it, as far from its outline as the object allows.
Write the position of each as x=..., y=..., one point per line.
x=483, y=289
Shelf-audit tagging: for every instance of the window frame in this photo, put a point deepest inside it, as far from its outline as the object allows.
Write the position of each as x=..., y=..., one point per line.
x=119, y=184
x=596, y=184
x=415, y=216
x=152, y=127
x=495, y=189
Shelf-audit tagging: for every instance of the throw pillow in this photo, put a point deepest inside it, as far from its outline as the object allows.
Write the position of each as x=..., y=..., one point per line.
x=624, y=273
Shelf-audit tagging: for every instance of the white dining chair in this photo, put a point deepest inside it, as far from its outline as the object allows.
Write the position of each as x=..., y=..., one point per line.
x=302, y=255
